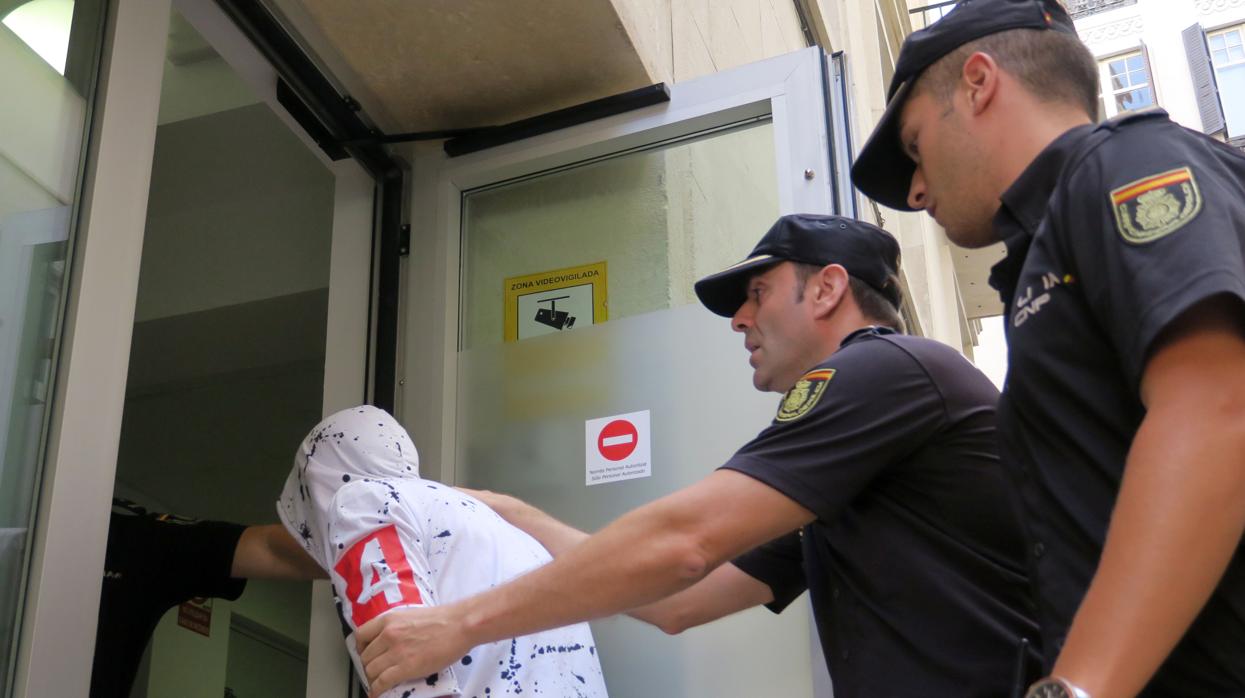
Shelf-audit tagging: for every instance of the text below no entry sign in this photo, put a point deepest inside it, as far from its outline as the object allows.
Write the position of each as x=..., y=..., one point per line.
x=617, y=448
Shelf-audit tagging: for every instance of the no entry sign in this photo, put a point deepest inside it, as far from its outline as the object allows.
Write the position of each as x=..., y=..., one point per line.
x=617, y=440
x=617, y=448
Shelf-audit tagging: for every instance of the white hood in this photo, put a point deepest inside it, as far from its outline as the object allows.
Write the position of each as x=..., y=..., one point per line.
x=360, y=442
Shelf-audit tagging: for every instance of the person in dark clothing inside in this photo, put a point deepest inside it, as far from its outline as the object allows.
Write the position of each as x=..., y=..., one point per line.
x=157, y=561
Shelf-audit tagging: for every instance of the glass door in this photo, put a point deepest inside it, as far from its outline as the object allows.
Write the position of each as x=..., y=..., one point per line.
x=229, y=260
x=250, y=325
x=556, y=279
x=49, y=53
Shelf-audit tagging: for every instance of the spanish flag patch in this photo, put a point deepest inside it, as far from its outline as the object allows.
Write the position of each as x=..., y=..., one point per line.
x=804, y=395
x=1155, y=206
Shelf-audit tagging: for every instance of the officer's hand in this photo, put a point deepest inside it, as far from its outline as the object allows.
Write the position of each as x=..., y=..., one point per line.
x=409, y=644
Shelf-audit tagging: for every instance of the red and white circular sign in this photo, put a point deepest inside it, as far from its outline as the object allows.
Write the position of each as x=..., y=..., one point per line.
x=617, y=440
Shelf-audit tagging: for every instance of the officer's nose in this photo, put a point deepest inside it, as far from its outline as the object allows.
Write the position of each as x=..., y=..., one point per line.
x=916, y=190
x=742, y=319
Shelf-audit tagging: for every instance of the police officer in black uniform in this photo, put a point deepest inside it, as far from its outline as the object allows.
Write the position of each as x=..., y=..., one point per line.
x=880, y=463
x=1124, y=288
x=157, y=561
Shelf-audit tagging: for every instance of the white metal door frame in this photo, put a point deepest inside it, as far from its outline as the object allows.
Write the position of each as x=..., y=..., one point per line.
x=56, y=643
x=57, y=634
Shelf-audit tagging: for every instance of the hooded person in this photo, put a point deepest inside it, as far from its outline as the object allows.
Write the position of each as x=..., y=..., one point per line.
x=390, y=539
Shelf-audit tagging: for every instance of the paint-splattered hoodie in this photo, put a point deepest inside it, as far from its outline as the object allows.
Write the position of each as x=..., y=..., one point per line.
x=391, y=540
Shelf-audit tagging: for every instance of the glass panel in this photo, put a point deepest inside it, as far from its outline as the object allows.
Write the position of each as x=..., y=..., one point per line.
x=49, y=53
x=1135, y=64
x=1217, y=41
x=1134, y=99
x=1232, y=96
x=1236, y=53
x=1219, y=57
x=521, y=414
x=661, y=219
x=1233, y=38
x=226, y=370
x=658, y=218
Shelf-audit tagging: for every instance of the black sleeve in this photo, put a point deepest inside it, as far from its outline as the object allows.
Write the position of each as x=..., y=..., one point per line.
x=877, y=407
x=779, y=565
x=1157, y=224
x=193, y=559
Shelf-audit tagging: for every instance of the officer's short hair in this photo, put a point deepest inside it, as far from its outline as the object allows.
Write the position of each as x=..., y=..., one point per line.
x=873, y=305
x=1054, y=66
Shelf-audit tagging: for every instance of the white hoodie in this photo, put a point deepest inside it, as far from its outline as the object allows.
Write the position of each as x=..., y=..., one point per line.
x=391, y=540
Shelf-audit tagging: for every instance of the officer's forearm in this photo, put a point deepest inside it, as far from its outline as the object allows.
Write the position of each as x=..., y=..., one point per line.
x=645, y=555
x=270, y=552
x=724, y=591
x=1178, y=519
x=555, y=536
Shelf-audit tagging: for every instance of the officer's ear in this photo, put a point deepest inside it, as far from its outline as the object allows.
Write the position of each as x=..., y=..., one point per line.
x=827, y=288
x=980, y=81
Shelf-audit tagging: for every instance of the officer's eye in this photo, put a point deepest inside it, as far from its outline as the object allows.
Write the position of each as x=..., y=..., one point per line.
x=912, y=150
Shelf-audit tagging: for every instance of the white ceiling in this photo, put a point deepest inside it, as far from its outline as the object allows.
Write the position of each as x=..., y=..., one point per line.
x=972, y=271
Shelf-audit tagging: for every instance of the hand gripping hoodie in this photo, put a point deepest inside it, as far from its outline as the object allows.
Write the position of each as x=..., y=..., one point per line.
x=392, y=540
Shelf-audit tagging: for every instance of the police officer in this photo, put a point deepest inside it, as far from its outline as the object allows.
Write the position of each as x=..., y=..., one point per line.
x=157, y=561
x=878, y=478
x=1124, y=408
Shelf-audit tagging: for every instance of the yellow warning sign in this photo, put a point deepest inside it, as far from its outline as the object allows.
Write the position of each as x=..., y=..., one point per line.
x=555, y=301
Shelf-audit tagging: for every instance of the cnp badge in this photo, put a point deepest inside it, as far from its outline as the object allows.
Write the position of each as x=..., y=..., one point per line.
x=1149, y=208
x=804, y=396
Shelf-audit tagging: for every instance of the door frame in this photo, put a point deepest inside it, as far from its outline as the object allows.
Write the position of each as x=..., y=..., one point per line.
x=790, y=89
x=55, y=644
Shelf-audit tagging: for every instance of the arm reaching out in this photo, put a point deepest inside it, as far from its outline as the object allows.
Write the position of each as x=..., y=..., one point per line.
x=270, y=552
x=555, y=536
x=723, y=591
x=648, y=554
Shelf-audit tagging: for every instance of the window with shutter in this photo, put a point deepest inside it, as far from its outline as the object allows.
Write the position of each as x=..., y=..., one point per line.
x=1125, y=83
x=1203, y=79
x=1227, y=55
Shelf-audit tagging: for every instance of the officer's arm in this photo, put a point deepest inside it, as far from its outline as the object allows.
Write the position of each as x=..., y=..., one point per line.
x=1181, y=508
x=270, y=552
x=652, y=552
x=723, y=591
x=556, y=536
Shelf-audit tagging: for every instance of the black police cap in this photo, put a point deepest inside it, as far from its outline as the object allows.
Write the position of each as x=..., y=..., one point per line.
x=883, y=171
x=866, y=251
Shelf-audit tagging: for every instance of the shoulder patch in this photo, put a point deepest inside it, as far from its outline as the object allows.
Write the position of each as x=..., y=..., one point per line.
x=1155, y=206
x=804, y=395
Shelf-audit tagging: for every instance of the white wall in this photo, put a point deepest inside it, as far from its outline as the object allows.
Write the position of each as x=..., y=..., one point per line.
x=240, y=211
x=679, y=40
x=188, y=665
x=1157, y=24
x=40, y=130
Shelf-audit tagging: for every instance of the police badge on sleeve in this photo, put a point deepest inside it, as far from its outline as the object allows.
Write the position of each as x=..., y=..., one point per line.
x=804, y=395
x=1155, y=206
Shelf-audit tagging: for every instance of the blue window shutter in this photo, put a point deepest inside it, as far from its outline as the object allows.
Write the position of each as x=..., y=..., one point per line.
x=1203, y=79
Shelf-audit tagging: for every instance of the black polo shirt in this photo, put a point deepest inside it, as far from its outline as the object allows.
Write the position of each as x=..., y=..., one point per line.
x=1112, y=232
x=153, y=563
x=915, y=564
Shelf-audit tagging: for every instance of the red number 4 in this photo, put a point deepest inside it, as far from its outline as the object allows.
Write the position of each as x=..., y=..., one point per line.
x=378, y=576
